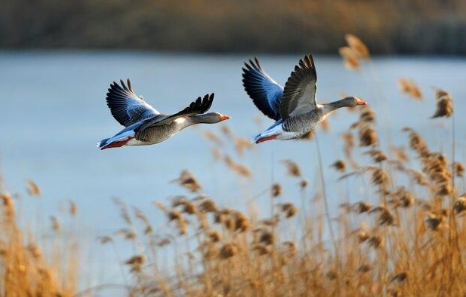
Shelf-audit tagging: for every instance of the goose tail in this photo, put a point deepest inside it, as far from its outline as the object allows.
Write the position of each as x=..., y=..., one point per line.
x=118, y=140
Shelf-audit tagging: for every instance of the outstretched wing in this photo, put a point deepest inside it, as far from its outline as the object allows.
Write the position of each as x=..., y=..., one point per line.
x=263, y=90
x=201, y=105
x=127, y=107
x=300, y=89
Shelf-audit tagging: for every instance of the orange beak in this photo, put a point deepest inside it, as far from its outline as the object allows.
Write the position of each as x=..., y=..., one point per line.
x=361, y=102
x=224, y=117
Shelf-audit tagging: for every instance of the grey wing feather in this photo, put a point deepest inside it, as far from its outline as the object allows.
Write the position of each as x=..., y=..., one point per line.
x=201, y=105
x=127, y=107
x=300, y=89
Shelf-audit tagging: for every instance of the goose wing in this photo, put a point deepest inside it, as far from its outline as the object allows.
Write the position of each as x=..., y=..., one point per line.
x=262, y=89
x=300, y=89
x=127, y=107
x=201, y=105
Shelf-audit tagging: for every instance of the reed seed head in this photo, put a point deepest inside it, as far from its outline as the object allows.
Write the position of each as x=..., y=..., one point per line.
x=363, y=236
x=444, y=189
x=367, y=115
x=228, y=250
x=459, y=169
x=364, y=268
x=55, y=224
x=214, y=235
x=276, y=190
x=358, y=47
x=367, y=136
x=266, y=237
x=189, y=207
x=212, y=137
x=403, y=198
x=226, y=131
x=386, y=218
x=188, y=181
x=73, y=208
x=434, y=221
x=135, y=262
x=262, y=250
x=377, y=155
x=289, y=210
x=8, y=205
x=303, y=184
x=350, y=58
x=375, y=241
x=292, y=168
x=398, y=278
x=460, y=205
x=241, y=222
x=105, y=239
x=242, y=144
x=361, y=207
x=339, y=165
x=207, y=205
x=444, y=107
x=409, y=87
x=379, y=177
x=32, y=188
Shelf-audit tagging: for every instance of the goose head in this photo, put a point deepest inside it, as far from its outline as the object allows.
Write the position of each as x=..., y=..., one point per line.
x=352, y=101
x=211, y=118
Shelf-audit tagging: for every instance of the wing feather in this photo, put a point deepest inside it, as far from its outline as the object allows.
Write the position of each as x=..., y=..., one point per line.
x=199, y=106
x=300, y=89
x=127, y=107
x=262, y=89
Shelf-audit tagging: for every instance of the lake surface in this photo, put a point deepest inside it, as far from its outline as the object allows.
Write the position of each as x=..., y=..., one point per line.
x=53, y=112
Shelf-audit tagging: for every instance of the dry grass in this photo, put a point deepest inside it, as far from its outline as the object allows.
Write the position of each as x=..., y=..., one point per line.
x=407, y=239
x=407, y=243
x=26, y=269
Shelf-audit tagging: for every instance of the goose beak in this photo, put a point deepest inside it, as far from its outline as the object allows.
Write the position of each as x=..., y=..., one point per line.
x=361, y=102
x=224, y=117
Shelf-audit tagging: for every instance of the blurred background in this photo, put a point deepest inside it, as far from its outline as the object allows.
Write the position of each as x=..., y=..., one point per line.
x=58, y=58
x=226, y=26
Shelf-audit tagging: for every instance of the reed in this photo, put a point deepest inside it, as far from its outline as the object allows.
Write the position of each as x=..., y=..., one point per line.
x=403, y=238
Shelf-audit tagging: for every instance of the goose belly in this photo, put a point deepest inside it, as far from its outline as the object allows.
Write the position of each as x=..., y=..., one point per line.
x=300, y=125
x=155, y=134
x=281, y=134
x=285, y=135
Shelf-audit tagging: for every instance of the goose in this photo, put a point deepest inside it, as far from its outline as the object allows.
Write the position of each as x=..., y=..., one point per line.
x=144, y=125
x=294, y=108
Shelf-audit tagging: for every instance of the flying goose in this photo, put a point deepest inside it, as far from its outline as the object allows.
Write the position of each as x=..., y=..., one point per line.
x=144, y=125
x=294, y=107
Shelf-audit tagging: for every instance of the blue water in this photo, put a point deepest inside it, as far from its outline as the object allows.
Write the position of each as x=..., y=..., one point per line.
x=53, y=113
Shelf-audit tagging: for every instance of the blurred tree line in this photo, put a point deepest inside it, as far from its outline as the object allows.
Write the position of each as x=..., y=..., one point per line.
x=278, y=26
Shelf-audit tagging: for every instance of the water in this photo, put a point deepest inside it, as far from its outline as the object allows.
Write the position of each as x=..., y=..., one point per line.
x=53, y=113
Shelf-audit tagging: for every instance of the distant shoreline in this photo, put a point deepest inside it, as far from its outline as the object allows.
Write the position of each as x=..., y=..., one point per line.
x=415, y=27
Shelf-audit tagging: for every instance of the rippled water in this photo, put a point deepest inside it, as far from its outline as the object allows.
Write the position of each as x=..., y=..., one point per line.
x=53, y=112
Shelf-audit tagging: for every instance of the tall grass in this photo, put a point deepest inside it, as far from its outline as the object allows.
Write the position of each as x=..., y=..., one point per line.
x=406, y=239
x=28, y=269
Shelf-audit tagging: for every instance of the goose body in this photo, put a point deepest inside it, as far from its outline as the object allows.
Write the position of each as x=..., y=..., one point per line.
x=293, y=107
x=144, y=125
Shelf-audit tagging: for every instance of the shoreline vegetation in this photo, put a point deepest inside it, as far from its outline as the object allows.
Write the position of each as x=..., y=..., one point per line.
x=236, y=26
x=405, y=238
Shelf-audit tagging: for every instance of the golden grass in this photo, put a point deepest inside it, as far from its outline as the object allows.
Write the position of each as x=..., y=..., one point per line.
x=25, y=269
x=406, y=239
